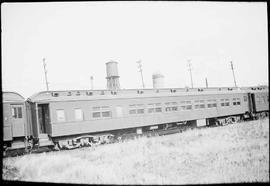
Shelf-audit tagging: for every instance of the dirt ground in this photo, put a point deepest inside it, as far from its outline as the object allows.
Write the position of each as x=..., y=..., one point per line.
x=235, y=153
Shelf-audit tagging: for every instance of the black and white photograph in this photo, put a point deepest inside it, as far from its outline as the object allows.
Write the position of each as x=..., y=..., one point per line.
x=135, y=92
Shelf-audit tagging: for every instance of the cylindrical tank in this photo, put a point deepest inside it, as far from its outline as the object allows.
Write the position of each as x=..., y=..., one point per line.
x=111, y=68
x=158, y=80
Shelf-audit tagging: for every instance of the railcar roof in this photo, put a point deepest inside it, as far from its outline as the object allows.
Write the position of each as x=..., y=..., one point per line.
x=12, y=97
x=80, y=95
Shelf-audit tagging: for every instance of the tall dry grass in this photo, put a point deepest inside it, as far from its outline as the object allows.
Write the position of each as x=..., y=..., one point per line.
x=229, y=154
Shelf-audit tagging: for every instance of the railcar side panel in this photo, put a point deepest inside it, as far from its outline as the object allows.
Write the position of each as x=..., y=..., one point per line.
x=68, y=124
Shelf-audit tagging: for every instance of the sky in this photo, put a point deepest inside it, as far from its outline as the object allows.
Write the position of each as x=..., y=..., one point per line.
x=78, y=38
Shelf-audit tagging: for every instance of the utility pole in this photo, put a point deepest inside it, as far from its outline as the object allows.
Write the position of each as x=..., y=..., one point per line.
x=45, y=71
x=190, y=72
x=91, y=80
x=206, y=82
x=140, y=70
x=233, y=74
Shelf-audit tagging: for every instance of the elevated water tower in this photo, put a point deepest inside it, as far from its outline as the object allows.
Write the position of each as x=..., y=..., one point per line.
x=112, y=76
x=158, y=80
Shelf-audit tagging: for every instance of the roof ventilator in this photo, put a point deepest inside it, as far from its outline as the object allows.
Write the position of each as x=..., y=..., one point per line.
x=55, y=94
x=113, y=92
x=89, y=93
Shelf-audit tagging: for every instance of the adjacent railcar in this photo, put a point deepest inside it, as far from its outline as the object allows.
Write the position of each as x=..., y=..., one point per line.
x=261, y=101
x=16, y=124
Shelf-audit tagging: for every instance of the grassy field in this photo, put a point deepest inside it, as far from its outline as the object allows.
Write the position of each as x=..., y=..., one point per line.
x=230, y=154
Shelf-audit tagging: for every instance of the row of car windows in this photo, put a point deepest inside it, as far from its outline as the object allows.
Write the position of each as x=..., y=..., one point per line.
x=101, y=112
x=105, y=111
x=184, y=105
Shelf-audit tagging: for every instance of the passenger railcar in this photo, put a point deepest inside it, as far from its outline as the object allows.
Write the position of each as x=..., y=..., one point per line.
x=65, y=114
x=16, y=124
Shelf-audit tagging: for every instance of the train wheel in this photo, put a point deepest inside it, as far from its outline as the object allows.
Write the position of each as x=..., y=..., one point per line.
x=222, y=122
x=228, y=120
x=4, y=150
x=56, y=147
x=233, y=119
x=262, y=116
